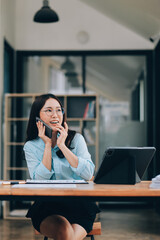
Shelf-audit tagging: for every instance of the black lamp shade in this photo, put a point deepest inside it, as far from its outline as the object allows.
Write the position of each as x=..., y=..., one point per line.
x=68, y=65
x=46, y=15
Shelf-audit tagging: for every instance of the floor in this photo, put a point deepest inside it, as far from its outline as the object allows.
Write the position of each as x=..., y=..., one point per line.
x=119, y=222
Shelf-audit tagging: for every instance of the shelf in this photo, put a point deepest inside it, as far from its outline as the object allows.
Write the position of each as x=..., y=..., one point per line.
x=17, y=119
x=9, y=217
x=15, y=143
x=68, y=119
x=17, y=168
x=91, y=144
x=18, y=213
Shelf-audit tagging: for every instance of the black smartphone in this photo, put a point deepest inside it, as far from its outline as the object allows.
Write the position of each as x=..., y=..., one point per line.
x=48, y=129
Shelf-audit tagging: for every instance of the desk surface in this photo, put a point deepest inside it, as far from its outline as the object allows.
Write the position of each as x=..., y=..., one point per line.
x=85, y=190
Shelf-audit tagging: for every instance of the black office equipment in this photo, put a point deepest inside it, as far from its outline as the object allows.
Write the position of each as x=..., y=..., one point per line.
x=124, y=165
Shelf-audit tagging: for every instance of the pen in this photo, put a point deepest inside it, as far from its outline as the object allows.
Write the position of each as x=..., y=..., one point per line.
x=13, y=182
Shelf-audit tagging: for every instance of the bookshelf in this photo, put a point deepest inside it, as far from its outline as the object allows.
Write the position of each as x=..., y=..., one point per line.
x=82, y=113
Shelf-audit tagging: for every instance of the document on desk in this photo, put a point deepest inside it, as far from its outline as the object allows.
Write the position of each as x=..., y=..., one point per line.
x=155, y=182
x=69, y=181
x=35, y=186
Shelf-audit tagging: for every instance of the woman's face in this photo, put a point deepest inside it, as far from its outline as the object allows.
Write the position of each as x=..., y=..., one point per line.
x=51, y=113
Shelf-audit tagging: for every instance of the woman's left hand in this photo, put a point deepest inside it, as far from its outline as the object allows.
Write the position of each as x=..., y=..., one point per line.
x=63, y=135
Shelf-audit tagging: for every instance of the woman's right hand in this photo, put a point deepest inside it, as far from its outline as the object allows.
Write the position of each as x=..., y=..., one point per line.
x=41, y=133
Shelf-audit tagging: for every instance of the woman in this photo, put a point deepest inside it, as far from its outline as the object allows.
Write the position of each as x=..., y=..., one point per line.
x=64, y=156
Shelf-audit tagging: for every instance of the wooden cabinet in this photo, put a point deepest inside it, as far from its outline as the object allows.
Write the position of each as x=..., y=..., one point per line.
x=82, y=112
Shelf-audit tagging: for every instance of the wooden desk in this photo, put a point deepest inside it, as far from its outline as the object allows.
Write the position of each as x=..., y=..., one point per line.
x=95, y=191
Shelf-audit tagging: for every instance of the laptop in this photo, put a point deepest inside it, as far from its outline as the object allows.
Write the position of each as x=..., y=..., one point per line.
x=124, y=165
x=69, y=181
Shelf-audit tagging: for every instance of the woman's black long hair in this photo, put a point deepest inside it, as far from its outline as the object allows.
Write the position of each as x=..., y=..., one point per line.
x=32, y=130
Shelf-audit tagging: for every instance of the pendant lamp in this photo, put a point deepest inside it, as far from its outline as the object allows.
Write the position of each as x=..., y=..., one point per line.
x=68, y=65
x=46, y=14
x=69, y=68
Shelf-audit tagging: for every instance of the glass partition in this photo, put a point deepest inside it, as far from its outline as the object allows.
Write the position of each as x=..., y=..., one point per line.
x=120, y=81
x=57, y=74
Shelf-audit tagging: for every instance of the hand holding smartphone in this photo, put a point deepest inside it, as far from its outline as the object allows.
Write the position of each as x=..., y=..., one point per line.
x=48, y=129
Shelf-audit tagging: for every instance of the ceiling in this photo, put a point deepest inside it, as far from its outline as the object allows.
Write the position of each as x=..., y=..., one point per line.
x=141, y=16
x=118, y=75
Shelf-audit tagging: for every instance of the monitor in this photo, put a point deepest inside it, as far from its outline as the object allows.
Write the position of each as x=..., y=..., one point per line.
x=124, y=165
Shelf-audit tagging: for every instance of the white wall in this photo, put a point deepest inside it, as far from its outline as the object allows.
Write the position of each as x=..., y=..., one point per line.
x=8, y=21
x=75, y=16
x=1, y=75
x=6, y=32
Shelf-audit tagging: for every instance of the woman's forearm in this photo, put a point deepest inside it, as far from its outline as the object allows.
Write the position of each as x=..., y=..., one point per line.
x=71, y=157
x=47, y=157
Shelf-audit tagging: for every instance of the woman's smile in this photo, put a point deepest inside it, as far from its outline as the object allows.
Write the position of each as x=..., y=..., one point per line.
x=54, y=122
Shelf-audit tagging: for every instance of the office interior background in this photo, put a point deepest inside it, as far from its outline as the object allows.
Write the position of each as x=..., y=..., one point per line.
x=113, y=47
